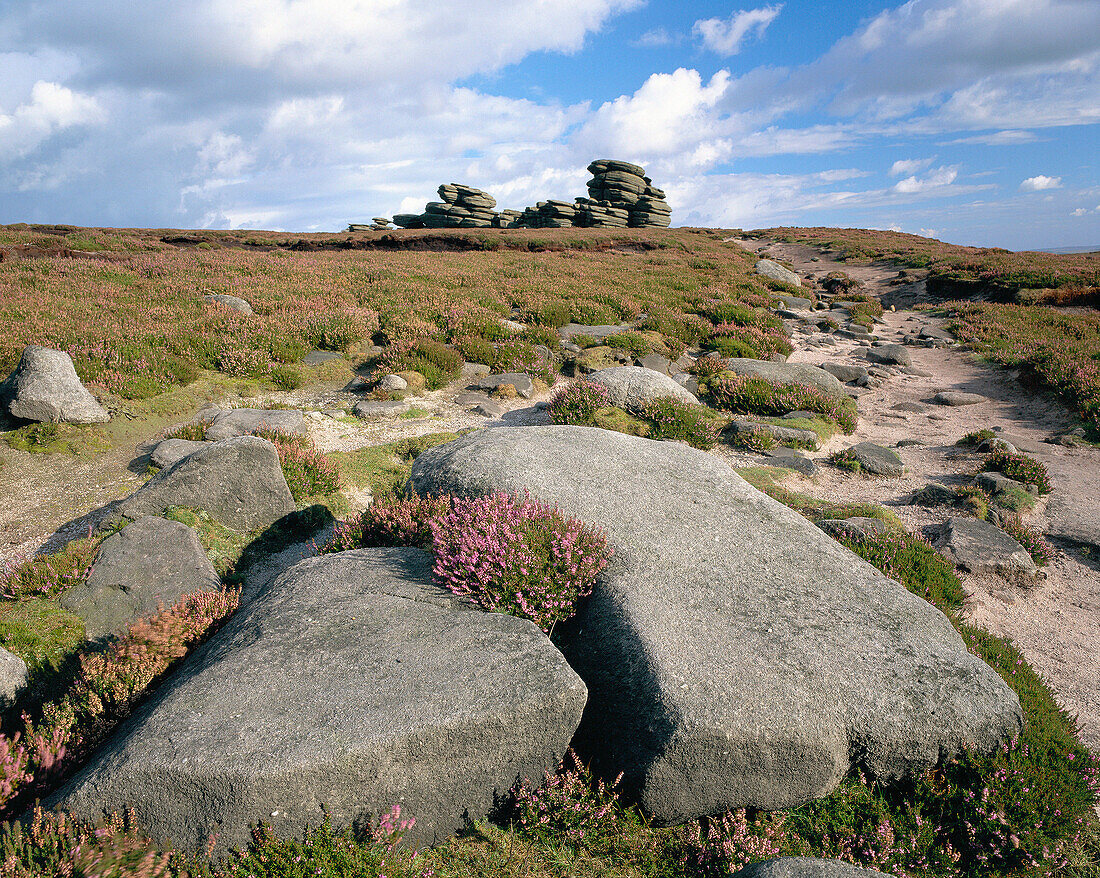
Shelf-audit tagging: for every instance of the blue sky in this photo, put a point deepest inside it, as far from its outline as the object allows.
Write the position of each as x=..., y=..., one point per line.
x=974, y=121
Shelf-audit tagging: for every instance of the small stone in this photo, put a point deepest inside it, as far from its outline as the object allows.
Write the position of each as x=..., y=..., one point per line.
x=376, y=409
x=981, y=548
x=934, y=494
x=890, y=354
x=521, y=383
x=957, y=398
x=392, y=384
x=877, y=460
x=233, y=303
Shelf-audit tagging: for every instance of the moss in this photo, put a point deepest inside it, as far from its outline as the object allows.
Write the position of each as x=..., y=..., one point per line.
x=223, y=545
x=614, y=418
x=39, y=632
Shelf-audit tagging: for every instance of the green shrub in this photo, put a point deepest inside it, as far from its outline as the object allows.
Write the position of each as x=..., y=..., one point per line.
x=476, y=349
x=242, y=362
x=537, y=333
x=438, y=363
x=758, y=396
x=633, y=342
x=49, y=575
x=308, y=473
x=732, y=347
x=913, y=562
x=673, y=419
x=1031, y=538
x=976, y=438
x=846, y=460
x=757, y=440
x=517, y=355
x=190, y=432
x=1019, y=467
x=288, y=350
x=286, y=377
x=390, y=521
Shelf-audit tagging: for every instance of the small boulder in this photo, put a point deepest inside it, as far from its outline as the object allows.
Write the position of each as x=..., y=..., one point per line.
x=170, y=450
x=844, y=372
x=146, y=565
x=318, y=357
x=238, y=481
x=13, y=677
x=788, y=373
x=233, y=303
x=489, y=408
x=805, y=867
x=377, y=409
x=877, y=460
x=807, y=438
x=242, y=422
x=981, y=548
x=795, y=303
x=1001, y=487
x=473, y=370
x=890, y=355
x=957, y=397
x=44, y=387
x=934, y=494
x=771, y=268
x=354, y=683
x=656, y=362
x=522, y=383
x=788, y=458
x=392, y=384
x=631, y=387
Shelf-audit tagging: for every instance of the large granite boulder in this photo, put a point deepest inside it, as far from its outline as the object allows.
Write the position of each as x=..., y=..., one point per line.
x=238, y=481
x=44, y=387
x=351, y=682
x=169, y=451
x=804, y=867
x=735, y=655
x=877, y=460
x=788, y=373
x=147, y=565
x=632, y=387
x=771, y=268
x=983, y=548
x=240, y=422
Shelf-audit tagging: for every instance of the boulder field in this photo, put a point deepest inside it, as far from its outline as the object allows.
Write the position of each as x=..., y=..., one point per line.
x=734, y=654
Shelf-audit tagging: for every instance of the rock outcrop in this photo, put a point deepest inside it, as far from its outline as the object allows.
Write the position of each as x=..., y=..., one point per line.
x=44, y=387
x=632, y=387
x=351, y=682
x=734, y=654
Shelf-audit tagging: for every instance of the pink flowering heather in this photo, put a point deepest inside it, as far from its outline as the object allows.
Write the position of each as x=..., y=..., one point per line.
x=569, y=806
x=389, y=521
x=516, y=555
x=578, y=402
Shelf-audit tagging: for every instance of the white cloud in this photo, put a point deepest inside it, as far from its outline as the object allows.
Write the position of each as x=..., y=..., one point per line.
x=999, y=138
x=938, y=178
x=50, y=109
x=1040, y=182
x=725, y=36
x=656, y=38
x=908, y=166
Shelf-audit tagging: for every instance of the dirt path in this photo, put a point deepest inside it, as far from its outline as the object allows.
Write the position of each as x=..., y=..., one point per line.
x=1056, y=623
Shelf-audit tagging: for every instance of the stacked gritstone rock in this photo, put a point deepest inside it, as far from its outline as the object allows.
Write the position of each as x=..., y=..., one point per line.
x=508, y=219
x=552, y=214
x=625, y=186
x=595, y=214
x=380, y=224
x=462, y=207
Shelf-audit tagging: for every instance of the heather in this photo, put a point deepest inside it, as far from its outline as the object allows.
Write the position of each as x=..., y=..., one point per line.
x=1019, y=467
x=757, y=396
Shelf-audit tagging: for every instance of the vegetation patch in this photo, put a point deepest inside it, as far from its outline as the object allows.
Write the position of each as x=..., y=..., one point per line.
x=758, y=396
x=1019, y=467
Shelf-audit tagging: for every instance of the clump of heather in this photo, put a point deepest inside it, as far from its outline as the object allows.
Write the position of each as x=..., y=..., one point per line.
x=578, y=402
x=307, y=471
x=107, y=687
x=1031, y=538
x=687, y=422
x=49, y=575
x=516, y=555
x=758, y=396
x=1019, y=467
x=569, y=806
x=390, y=521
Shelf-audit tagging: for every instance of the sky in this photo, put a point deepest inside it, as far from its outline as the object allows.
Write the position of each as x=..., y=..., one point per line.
x=972, y=121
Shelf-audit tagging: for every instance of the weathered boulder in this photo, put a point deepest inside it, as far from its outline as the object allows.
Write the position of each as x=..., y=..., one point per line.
x=771, y=268
x=788, y=373
x=13, y=677
x=632, y=387
x=806, y=438
x=890, y=355
x=238, y=481
x=170, y=450
x=719, y=657
x=795, y=303
x=877, y=460
x=376, y=409
x=957, y=397
x=352, y=682
x=150, y=563
x=523, y=384
x=44, y=387
x=788, y=458
x=980, y=547
x=857, y=526
x=934, y=494
x=845, y=372
x=1001, y=488
x=805, y=867
x=392, y=384
x=241, y=422
x=233, y=303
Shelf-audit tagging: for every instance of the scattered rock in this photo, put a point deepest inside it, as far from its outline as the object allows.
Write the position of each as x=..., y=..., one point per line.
x=13, y=677
x=722, y=676
x=317, y=357
x=891, y=355
x=957, y=398
x=788, y=373
x=844, y=372
x=909, y=407
x=392, y=384
x=988, y=446
x=788, y=458
x=170, y=450
x=934, y=494
x=979, y=547
x=597, y=332
x=795, y=303
x=1001, y=486
x=806, y=438
x=522, y=383
x=772, y=269
x=857, y=526
x=271, y=718
x=631, y=387
x=149, y=564
x=877, y=460
x=376, y=409
x=656, y=363
x=489, y=409
x=474, y=370
x=233, y=303
x=238, y=481
x=44, y=387
x=242, y=422
x=512, y=325
x=805, y=867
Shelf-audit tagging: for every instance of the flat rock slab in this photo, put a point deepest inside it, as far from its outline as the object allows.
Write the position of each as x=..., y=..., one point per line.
x=522, y=382
x=779, y=434
x=957, y=398
x=796, y=303
x=805, y=867
x=147, y=565
x=980, y=547
x=44, y=387
x=241, y=422
x=633, y=387
x=844, y=371
x=317, y=357
x=742, y=663
x=788, y=373
x=771, y=268
x=597, y=332
x=890, y=355
x=788, y=458
x=171, y=450
x=877, y=460
x=376, y=409
x=238, y=481
x=352, y=682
